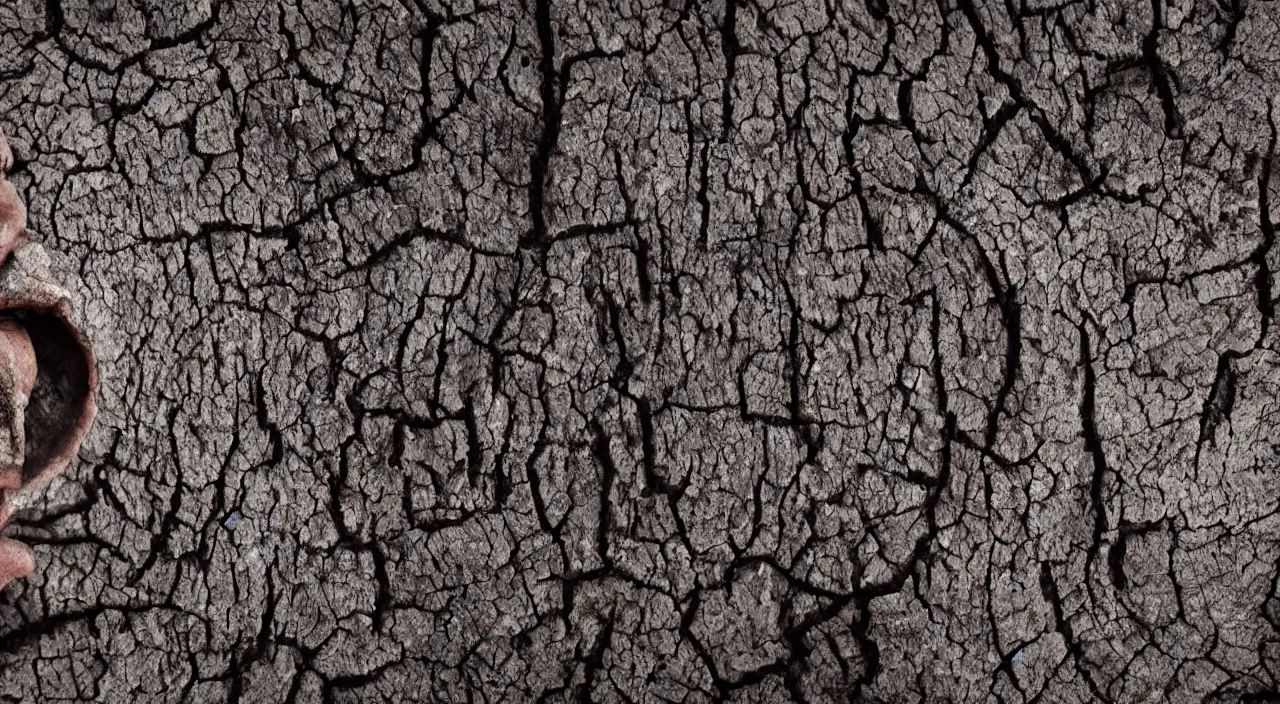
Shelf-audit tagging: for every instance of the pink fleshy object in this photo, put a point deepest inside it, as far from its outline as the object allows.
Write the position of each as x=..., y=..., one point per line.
x=47, y=372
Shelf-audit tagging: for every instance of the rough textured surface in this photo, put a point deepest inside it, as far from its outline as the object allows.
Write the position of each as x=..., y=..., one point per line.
x=748, y=351
x=47, y=373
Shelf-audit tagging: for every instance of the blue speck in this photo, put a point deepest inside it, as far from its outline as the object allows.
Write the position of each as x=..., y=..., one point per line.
x=1017, y=657
x=232, y=520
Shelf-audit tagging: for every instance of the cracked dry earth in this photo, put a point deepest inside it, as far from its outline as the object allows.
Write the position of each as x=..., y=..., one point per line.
x=656, y=351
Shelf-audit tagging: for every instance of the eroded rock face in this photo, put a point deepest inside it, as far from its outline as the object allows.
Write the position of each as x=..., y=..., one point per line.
x=655, y=351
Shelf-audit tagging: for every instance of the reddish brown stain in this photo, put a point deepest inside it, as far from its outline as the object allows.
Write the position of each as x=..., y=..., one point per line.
x=47, y=373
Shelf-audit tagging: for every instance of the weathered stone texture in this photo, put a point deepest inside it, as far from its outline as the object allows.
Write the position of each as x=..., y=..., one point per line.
x=653, y=350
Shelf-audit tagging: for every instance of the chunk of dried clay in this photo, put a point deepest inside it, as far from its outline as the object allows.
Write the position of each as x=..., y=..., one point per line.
x=47, y=372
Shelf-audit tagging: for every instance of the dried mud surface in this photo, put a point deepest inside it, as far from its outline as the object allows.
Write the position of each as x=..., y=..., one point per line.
x=656, y=351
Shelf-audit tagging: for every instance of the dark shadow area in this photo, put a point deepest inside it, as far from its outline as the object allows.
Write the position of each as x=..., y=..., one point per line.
x=62, y=383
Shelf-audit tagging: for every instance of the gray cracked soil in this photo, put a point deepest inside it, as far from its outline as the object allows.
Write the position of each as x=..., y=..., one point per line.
x=656, y=351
